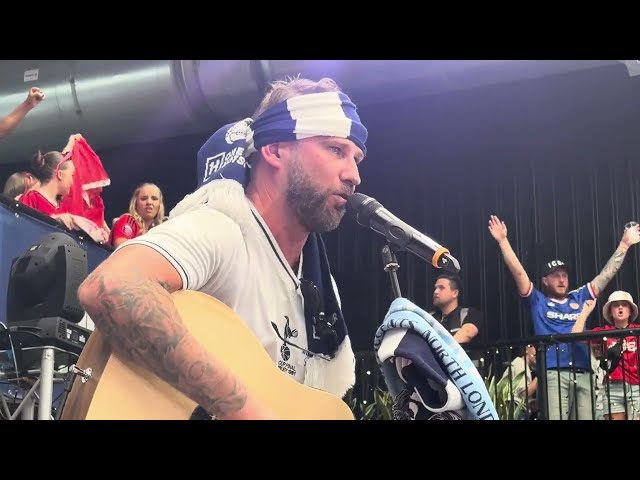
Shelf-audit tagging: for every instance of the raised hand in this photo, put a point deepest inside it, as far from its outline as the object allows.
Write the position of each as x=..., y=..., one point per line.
x=497, y=228
x=587, y=308
x=72, y=141
x=631, y=235
x=34, y=97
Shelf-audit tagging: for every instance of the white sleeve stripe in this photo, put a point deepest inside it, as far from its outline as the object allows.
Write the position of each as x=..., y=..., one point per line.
x=591, y=292
x=158, y=248
x=528, y=291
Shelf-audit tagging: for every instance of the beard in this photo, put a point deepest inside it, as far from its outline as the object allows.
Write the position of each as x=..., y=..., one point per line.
x=558, y=293
x=308, y=202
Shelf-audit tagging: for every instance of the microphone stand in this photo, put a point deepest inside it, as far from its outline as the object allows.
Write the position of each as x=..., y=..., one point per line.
x=390, y=266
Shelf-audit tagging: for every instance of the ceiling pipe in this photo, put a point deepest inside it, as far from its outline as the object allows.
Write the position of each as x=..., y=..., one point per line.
x=116, y=102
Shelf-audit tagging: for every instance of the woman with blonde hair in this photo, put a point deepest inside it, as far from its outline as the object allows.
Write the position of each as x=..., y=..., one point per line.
x=146, y=210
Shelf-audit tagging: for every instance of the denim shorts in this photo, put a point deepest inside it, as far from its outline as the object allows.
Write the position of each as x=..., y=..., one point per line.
x=616, y=395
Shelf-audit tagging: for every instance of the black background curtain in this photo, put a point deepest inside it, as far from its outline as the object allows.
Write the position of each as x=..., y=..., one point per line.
x=555, y=158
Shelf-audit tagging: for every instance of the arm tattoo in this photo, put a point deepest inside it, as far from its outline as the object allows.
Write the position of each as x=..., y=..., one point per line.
x=139, y=320
x=609, y=271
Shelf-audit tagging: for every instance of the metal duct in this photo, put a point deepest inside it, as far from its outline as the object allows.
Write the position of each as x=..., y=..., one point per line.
x=115, y=102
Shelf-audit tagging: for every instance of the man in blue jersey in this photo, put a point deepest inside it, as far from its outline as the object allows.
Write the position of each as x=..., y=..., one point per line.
x=555, y=311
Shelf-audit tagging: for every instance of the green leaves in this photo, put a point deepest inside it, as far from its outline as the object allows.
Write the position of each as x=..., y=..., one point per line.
x=504, y=396
x=380, y=409
x=509, y=406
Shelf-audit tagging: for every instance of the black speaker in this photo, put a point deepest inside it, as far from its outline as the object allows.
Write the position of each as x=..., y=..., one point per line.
x=44, y=281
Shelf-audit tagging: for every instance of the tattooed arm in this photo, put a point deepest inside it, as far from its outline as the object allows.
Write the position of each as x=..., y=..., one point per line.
x=128, y=298
x=600, y=282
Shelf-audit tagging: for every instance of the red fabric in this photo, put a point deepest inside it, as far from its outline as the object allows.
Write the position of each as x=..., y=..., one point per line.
x=629, y=360
x=36, y=200
x=95, y=210
x=89, y=178
x=125, y=227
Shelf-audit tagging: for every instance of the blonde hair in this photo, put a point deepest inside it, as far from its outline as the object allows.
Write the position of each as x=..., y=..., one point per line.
x=282, y=90
x=158, y=219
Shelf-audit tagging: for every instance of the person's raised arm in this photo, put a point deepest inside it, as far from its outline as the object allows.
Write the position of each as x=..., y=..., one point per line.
x=587, y=308
x=128, y=298
x=498, y=231
x=9, y=122
x=600, y=282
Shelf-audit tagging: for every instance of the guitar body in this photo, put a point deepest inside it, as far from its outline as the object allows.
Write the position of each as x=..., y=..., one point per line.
x=117, y=390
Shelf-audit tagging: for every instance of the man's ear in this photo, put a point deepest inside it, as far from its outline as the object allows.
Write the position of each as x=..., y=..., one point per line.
x=456, y=293
x=545, y=282
x=272, y=155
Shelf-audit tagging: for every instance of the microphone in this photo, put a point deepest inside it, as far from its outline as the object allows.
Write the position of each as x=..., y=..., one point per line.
x=368, y=212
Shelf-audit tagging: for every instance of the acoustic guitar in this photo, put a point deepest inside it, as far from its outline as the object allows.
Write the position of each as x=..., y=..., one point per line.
x=114, y=389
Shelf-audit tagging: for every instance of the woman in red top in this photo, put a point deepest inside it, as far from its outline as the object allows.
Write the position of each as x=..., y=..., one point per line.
x=619, y=398
x=55, y=173
x=146, y=210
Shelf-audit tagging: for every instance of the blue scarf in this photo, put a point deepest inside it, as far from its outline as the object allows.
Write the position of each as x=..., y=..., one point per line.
x=224, y=154
x=422, y=362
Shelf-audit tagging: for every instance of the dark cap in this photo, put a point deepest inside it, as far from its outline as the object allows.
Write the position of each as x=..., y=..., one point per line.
x=552, y=266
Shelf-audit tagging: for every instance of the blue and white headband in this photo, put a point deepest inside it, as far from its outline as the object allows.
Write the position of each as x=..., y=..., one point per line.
x=330, y=114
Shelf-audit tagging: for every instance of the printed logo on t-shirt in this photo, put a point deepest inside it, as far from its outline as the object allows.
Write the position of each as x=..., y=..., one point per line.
x=126, y=228
x=629, y=346
x=574, y=305
x=562, y=316
x=285, y=350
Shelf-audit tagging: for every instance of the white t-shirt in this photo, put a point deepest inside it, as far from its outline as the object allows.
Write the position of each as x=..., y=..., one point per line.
x=248, y=273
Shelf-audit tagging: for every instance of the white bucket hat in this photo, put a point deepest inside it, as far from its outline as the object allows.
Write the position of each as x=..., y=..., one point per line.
x=619, y=296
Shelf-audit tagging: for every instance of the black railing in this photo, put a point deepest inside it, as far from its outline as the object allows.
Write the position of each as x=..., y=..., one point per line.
x=574, y=392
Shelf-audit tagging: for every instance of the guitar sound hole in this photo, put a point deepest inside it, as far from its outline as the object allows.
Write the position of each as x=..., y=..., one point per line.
x=199, y=413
